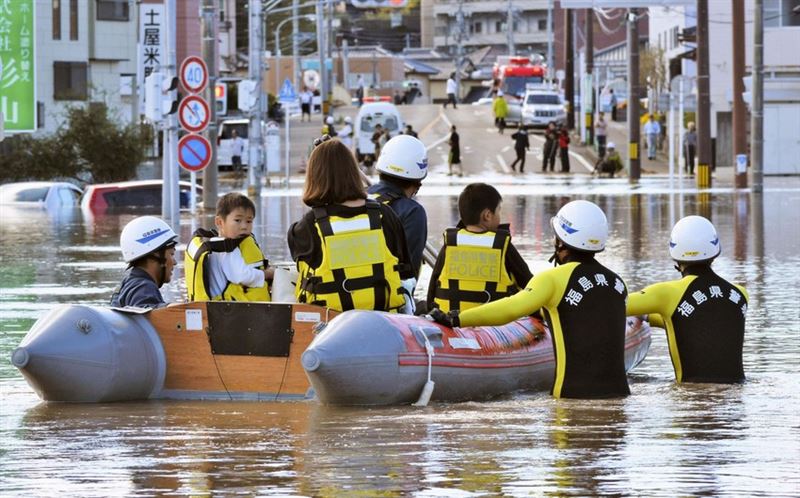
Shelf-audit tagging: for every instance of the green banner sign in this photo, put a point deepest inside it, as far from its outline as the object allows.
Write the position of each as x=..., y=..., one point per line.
x=17, y=65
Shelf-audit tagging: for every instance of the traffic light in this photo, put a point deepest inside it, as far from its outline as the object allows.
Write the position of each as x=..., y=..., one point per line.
x=246, y=90
x=221, y=98
x=158, y=98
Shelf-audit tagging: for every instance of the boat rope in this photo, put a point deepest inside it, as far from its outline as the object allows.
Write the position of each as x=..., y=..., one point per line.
x=219, y=374
x=427, y=390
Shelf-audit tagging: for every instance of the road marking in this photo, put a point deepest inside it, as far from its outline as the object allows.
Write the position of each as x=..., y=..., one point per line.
x=506, y=148
x=577, y=156
x=434, y=144
x=503, y=164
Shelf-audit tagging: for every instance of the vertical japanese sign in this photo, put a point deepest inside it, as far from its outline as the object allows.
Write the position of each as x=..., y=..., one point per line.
x=17, y=71
x=152, y=27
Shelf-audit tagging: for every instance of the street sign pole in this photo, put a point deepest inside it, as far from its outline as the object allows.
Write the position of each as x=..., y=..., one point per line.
x=287, y=95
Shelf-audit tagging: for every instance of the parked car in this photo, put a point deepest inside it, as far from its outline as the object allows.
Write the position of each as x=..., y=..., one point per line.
x=225, y=141
x=539, y=107
x=369, y=115
x=48, y=195
x=130, y=195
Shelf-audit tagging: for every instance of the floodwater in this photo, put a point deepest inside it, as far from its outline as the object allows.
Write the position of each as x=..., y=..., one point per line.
x=663, y=440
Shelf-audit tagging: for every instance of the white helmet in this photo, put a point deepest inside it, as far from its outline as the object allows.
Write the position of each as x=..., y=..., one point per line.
x=348, y=119
x=404, y=157
x=145, y=235
x=694, y=238
x=329, y=120
x=581, y=225
x=499, y=93
x=611, y=145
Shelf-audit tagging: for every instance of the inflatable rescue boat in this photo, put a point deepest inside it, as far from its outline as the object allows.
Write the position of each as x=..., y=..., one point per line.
x=259, y=351
x=370, y=358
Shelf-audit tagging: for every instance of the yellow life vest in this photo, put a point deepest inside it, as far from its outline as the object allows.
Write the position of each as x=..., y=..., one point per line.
x=474, y=270
x=357, y=270
x=203, y=243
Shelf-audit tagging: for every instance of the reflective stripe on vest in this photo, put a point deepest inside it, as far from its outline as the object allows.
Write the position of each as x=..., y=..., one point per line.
x=196, y=267
x=357, y=270
x=474, y=270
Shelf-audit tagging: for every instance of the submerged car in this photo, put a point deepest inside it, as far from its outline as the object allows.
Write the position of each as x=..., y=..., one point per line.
x=130, y=195
x=48, y=195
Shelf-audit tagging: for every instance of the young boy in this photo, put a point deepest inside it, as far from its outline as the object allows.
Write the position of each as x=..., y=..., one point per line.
x=229, y=266
x=477, y=263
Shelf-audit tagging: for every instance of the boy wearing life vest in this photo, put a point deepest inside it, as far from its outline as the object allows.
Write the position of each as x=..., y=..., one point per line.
x=703, y=314
x=227, y=264
x=478, y=263
x=582, y=301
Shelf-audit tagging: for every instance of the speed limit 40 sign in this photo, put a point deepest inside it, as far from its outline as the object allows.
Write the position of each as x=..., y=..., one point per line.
x=194, y=74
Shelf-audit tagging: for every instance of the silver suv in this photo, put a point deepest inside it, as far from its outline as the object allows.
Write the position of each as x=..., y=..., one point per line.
x=539, y=107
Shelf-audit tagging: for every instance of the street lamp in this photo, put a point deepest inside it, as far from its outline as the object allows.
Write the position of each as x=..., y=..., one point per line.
x=309, y=17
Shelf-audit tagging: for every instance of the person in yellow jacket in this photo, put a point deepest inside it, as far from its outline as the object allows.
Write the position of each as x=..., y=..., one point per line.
x=582, y=301
x=478, y=263
x=500, y=108
x=703, y=314
x=228, y=264
x=351, y=252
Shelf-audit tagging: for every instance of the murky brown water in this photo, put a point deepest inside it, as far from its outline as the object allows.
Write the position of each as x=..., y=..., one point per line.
x=662, y=440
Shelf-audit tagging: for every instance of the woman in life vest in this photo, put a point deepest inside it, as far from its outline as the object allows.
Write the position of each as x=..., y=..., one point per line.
x=350, y=251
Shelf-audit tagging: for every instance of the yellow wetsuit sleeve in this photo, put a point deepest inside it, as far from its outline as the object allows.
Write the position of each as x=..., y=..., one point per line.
x=744, y=291
x=653, y=300
x=535, y=295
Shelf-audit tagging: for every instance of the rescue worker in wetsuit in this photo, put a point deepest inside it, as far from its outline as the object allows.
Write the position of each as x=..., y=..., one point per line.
x=350, y=251
x=402, y=166
x=227, y=264
x=478, y=263
x=703, y=314
x=148, y=246
x=582, y=301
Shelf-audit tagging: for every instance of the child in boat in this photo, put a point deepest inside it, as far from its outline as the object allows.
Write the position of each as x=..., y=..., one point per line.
x=227, y=264
x=478, y=263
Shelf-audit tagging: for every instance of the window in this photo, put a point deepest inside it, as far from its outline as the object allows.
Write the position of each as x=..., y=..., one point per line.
x=32, y=195
x=542, y=24
x=476, y=27
x=499, y=26
x=112, y=10
x=70, y=81
x=780, y=13
x=56, y=19
x=73, y=19
x=547, y=99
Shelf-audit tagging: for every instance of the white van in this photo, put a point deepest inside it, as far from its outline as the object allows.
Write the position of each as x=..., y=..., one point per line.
x=369, y=115
x=225, y=141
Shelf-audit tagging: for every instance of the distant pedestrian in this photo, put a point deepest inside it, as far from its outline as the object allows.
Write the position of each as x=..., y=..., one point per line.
x=550, y=147
x=563, y=147
x=452, y=91
x=652, y=130
x=316, y=100
x=410, y=131
x=455, y=153
x=689, y=148
x=610, y=164
x=521, y=146
x=305, y=103
x=500, y=108
x=237, y=149
x=376, y=140
x=398, y=99
x=346, y=133
x=360, y=90
x=662, y=136
x=613, y=102
x=600, y=133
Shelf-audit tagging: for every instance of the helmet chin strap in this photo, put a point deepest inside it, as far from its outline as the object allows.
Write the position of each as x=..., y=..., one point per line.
x=554, y=258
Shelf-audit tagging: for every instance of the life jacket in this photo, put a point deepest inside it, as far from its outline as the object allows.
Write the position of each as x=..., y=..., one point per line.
x=474, y=270
x=357, y=270
x=385, y=197
x=196, y=262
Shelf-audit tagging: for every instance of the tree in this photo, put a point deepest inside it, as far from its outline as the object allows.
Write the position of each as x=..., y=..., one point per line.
x=653, y=69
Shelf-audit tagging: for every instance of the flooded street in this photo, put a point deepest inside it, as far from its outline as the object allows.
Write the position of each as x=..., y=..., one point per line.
x=663, y=440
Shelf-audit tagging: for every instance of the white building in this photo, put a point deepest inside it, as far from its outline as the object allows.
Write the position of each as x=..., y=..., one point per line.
x=781, y=73
x=85, y=52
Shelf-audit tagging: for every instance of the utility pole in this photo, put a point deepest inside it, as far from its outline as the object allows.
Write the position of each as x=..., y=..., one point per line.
x=510, y=28
x=171, y=176
x=589, y=54
x=739, y=112
x=460, y=32
x=208, y=14
x=329, y=42
x=254, y=74
x=321, y=52
x=757, y=99
x=569, y=70
x=550, y=30
x=634, y=165
x=703, y=99
x=295, y=46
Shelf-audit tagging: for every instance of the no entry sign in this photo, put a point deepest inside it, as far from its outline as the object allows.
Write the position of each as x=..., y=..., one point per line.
x=194, y=114
x=194, y=152
x=194, y=74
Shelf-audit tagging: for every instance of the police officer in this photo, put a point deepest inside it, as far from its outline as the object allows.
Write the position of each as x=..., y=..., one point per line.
x=402, y=166
x=582, y=301
x=148, y=246
x=703, y=314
